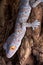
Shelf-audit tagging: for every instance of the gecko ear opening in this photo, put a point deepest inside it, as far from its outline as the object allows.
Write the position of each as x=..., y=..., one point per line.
x=12, y=51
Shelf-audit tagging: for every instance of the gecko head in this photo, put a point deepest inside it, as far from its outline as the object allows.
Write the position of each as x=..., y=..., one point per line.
x=11, y=48
x=10, y=51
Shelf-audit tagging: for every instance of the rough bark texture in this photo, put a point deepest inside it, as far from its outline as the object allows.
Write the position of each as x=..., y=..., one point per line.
x=31, y=49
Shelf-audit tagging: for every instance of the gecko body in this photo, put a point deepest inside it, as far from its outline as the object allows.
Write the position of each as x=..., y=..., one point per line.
x=14, y=41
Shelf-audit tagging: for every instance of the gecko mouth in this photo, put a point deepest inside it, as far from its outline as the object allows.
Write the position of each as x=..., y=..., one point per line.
x=10, y=54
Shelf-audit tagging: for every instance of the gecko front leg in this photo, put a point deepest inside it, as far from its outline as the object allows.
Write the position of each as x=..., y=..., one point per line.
x=38, y=16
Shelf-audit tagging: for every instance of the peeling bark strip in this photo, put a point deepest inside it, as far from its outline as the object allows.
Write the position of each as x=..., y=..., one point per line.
x=20, y=29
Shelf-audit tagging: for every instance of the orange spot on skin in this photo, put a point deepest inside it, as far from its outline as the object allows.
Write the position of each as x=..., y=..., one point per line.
x=12, y=47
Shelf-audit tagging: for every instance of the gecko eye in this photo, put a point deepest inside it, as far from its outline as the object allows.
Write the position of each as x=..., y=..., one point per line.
x=12, y=47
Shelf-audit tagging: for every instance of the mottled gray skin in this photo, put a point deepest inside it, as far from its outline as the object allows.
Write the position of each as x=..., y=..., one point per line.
x=34, y=3
x=20, y=28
